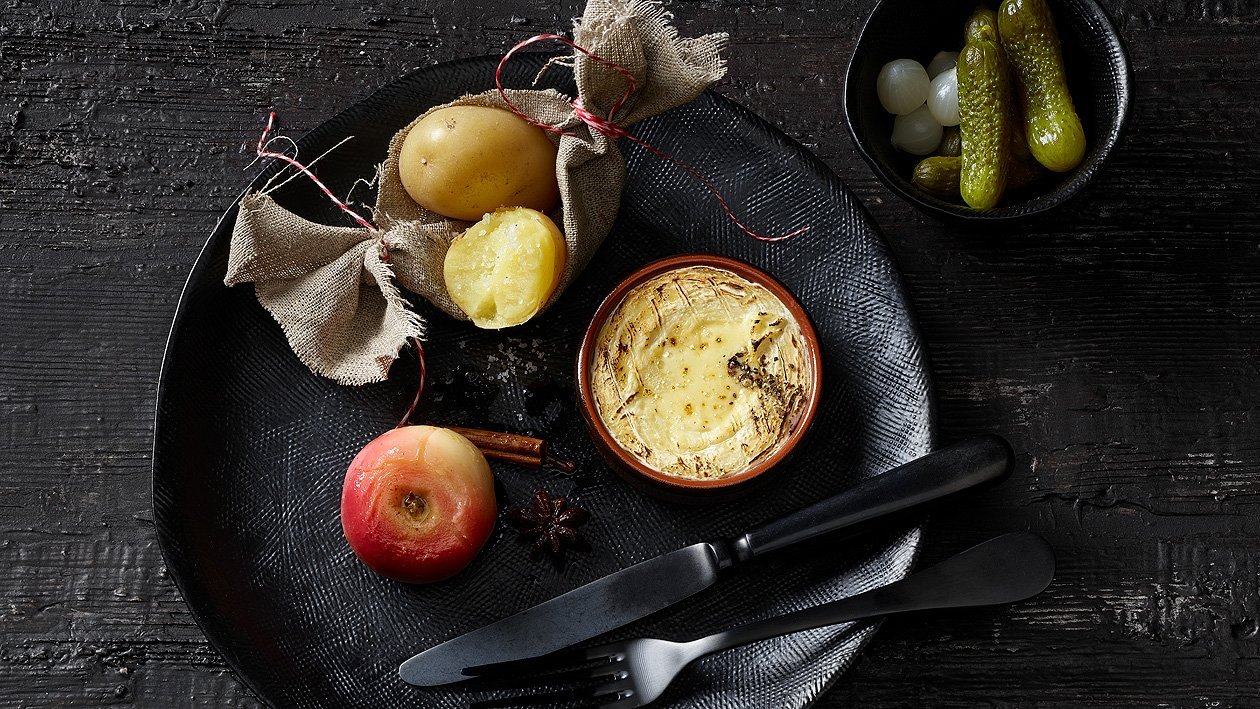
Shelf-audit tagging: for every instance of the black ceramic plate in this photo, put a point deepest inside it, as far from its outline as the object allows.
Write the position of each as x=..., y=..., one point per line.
x=251, y=447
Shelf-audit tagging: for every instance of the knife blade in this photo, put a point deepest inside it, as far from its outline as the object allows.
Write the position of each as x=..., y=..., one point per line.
x=594, y=609
x=649, y=586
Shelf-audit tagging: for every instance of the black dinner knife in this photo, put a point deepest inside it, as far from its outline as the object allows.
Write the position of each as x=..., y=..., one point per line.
x=649, y=586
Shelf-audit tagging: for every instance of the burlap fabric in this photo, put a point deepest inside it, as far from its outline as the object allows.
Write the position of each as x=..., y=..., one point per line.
x=332, y=288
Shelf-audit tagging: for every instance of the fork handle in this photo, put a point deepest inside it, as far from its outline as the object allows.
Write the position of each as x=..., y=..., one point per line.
x=1004, y=569
x=935, y=475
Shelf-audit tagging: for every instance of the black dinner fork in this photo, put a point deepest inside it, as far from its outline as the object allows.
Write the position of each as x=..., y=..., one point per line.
x=634, y=673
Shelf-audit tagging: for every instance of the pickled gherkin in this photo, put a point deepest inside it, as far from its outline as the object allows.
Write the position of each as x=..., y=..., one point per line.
x=938, y=175
x=983, y=24
x=1052, y=127
x=984, y=97
x=1022, y=168
x=951, y=142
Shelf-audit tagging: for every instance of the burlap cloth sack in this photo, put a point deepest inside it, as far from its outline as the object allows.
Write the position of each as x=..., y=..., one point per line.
x=332, y=288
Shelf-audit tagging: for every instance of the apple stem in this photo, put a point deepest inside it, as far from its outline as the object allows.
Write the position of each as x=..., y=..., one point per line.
x=414, y=504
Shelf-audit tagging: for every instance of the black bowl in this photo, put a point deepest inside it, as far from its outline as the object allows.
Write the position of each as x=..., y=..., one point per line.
x=1098, y=75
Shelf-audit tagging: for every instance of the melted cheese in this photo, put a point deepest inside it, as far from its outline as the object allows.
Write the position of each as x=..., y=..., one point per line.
x=700, y=372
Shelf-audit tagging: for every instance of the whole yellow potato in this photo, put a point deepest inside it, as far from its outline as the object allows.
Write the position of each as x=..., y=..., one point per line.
x=466, y=161
x=505, y=267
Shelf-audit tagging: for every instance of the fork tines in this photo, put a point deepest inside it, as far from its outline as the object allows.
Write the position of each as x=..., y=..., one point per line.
x=573, y=677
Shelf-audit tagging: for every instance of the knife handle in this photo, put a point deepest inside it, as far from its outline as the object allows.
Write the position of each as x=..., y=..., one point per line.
x=1004, y=569
x=935, y=475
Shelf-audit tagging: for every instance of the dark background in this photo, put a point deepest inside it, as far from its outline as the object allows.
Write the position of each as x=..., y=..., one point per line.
x=1114, y=342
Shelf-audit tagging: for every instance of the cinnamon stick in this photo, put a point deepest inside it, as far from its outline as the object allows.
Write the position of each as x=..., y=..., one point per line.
x=517, y=458
x=499, y=441
x=514, y=448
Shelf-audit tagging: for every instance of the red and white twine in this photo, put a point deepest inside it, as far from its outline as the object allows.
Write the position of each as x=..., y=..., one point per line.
x=607, y=127
x=264, y=153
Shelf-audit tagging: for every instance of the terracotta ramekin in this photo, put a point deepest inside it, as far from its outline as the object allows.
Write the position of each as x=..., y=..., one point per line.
x=654, y=481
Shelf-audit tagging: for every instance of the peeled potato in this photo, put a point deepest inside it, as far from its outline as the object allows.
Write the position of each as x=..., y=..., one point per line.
x=466, y=161
x=503, y=268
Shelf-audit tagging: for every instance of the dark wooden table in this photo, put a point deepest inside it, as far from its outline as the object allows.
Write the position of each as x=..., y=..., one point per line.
x=1115, y=342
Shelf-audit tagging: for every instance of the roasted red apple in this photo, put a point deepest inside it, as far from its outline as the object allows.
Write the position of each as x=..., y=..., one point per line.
x=418, y=504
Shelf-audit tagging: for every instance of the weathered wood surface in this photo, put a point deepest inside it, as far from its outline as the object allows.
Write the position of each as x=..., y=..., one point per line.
x=1114, y=343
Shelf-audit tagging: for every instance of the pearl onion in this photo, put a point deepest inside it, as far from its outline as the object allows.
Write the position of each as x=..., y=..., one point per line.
x=943, y=98
x=917, y=132
x=902, y=86
x=942, y=62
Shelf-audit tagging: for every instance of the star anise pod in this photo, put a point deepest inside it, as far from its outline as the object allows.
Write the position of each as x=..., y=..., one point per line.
x=550, y=523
